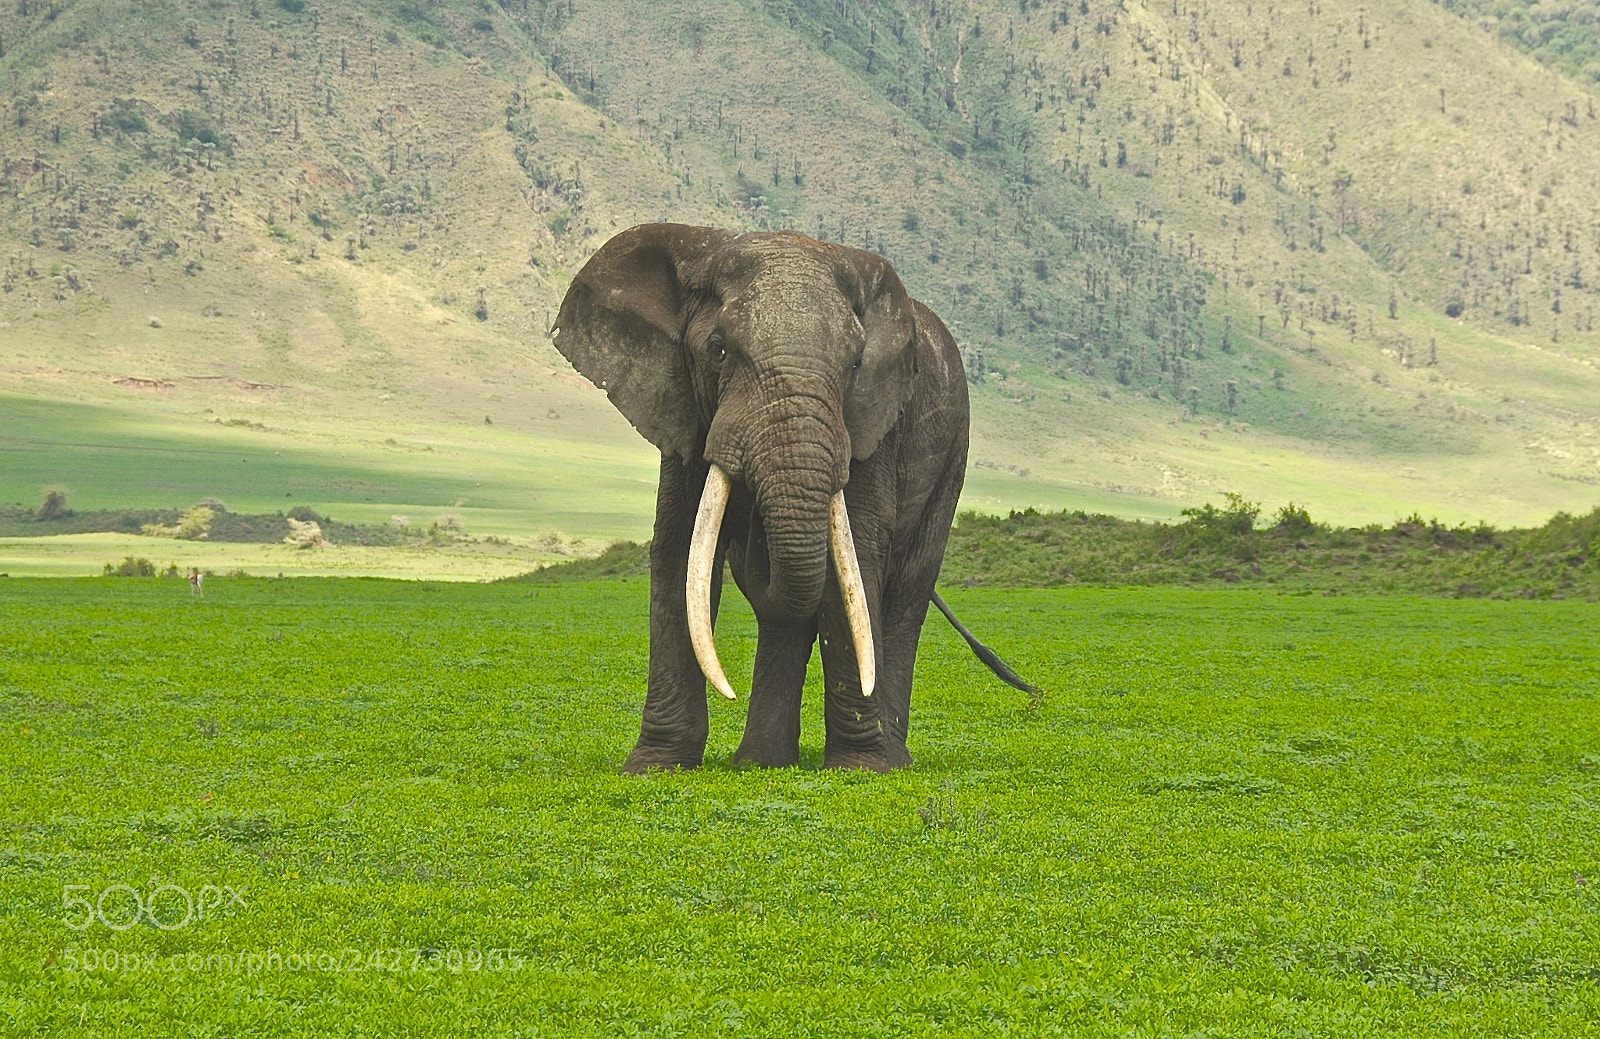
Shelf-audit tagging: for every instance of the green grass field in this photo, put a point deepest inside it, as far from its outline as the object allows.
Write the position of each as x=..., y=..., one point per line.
x=1231, y=813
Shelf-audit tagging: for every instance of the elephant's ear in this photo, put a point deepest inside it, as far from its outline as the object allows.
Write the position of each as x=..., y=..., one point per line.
x=880, y=388
x=622, y=323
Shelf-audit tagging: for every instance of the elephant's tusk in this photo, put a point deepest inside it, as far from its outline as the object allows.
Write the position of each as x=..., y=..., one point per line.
x=697, y=590
x=843, y=546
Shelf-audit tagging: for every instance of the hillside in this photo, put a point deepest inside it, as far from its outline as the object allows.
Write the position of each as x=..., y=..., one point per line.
x=1344, y=256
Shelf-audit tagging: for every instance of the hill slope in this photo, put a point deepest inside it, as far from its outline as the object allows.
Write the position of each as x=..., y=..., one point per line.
x=1185, y=248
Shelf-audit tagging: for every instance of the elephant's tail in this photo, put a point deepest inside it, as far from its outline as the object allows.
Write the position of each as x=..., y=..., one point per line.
x=985, y=654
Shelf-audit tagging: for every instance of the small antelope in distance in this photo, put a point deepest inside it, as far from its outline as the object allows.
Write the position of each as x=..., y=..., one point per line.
x=197, y=581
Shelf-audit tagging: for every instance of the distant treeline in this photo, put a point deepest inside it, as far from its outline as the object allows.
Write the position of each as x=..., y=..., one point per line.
x=1224, y=545
x=1228, y=545
x=218, y=524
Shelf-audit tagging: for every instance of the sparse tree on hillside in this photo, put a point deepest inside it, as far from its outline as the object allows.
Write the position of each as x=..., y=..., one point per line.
x=977, y=367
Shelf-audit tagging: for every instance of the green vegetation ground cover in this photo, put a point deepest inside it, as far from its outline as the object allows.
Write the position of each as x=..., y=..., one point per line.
x=1237, y=813
x=1230, y=544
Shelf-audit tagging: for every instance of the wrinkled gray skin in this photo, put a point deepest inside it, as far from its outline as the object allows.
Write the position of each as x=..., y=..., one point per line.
x=799, y=367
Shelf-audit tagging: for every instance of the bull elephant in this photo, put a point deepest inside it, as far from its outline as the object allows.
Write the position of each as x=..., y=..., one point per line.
x=806, y=409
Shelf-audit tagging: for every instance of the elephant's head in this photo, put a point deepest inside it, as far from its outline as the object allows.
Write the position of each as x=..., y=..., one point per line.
x=778, y=359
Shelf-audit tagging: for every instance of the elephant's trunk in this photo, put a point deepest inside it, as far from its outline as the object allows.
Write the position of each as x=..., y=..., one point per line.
x=791, y=533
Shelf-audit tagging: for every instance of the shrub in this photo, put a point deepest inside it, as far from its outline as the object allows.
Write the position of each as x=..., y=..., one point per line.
x=200, y=126
x=305, y=534
x=194, y=526
x=125, y=116
x=1236, y=518
x=1294, y=521
x=131, y=567
x=54, y=506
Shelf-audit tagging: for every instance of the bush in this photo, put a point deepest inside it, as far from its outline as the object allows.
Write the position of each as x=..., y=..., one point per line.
x=196, y=523
x=1236, y=518
x=1294, y=521
x=54, y=507
x=131, y=567
x=194, y=526
x=305, y=534
x=621, y=559
x=200, y=126
x=125, y=116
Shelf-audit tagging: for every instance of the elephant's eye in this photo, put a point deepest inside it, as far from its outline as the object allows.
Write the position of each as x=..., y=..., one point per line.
x=717, y=349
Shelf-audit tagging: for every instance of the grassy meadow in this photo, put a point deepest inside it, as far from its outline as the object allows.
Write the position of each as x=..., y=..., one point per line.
x=1235, y=813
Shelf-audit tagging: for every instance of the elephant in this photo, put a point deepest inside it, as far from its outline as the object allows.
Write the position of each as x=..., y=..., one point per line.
x=806, y=409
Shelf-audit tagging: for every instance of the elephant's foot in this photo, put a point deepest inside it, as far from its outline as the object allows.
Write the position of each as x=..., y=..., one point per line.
x=880, y=759
x=662, y=759
x=758, y=755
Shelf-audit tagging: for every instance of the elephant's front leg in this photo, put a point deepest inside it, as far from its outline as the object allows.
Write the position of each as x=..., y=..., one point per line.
x=772, y=728
x=673, y=734
x=856, y=734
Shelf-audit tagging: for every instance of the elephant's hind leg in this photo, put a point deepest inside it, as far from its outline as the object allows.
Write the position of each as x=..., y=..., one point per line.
x=772, y=727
